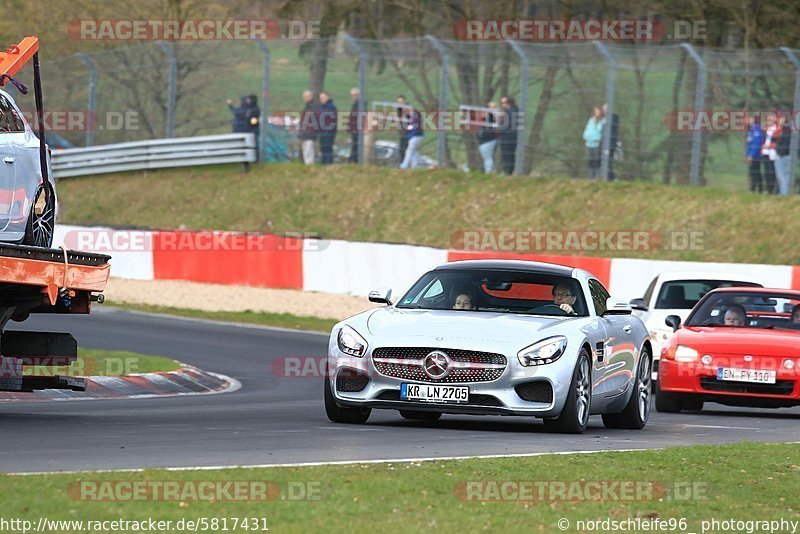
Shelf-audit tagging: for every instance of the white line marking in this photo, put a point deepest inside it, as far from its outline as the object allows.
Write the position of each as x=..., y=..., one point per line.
x=339, y=462
x=722, y=427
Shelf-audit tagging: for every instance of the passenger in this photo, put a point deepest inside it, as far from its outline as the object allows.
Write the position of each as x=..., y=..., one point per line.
x=464, y=301
x=564, y=298
x=735, y=315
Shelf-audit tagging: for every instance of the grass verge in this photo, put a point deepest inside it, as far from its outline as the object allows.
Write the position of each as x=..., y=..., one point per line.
x=279, y=320
x=96, y=362
x=746, y=481
x=381, y=204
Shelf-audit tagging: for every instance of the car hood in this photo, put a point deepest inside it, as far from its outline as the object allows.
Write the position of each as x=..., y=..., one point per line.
x=732, y=340
x=423, y=327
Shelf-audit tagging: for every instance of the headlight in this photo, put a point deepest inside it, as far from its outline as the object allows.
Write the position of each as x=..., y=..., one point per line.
x=350, y=342
x=545, y=351
x=685, y=354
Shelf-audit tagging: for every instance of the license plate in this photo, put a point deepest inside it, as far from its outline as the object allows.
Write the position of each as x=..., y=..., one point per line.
x=746, y=375
x=432, y=393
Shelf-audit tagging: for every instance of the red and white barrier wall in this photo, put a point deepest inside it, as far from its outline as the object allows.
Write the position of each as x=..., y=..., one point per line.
x=333, y=266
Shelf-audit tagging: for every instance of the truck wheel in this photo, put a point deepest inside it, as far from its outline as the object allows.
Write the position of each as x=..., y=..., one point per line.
x=41, y=219
x=338, y=414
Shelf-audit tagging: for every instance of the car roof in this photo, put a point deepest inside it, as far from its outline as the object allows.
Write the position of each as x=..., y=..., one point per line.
x=793, y=292
x=706, y=275
x=509, y=265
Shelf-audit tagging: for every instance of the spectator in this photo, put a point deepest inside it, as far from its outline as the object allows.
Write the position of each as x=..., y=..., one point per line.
x=355, y=125
x=613, y=141
x=755, y=140
x=253, y=119
x=414, y=135
x=327, y=127
x=782, y=151
x=239, y=122
x=309, y=123
x=508, y=133
x=592, y=136
x=401, y=113
x=487, y=138
x=768, y=154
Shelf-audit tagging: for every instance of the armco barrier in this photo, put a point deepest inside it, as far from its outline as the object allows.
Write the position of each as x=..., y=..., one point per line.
x=344, y=267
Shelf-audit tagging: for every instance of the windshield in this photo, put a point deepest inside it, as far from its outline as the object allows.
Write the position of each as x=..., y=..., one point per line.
x=496, y=291
x=684, y=294
x=767, y=309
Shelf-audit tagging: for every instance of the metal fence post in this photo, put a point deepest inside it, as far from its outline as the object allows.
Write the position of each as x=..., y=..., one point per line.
x=262, y=121
x=611, y=84
x=444, y=57
x=362, y=93
x=519, y=155
x=90, y=105
x=794, y=143
x=172, y=87
x=699, y=103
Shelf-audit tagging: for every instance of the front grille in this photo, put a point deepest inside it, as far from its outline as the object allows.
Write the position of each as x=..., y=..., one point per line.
x=475, y=399
x=406, y=363
x=538, y=391
x=351, y=381
x=780, y=387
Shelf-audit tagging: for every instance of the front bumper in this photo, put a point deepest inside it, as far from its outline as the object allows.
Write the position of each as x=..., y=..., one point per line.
x=699, y=381
x=496, y=397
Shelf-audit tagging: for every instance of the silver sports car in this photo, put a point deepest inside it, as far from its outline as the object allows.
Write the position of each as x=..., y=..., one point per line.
x=492, y=337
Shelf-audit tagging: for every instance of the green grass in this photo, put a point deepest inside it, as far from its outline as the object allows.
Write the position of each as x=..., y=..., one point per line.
x=744, y=481
x=430, y=207
x=280, y=320
x=96, y=362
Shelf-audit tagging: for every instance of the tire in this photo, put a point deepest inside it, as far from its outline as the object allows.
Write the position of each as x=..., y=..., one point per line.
x=338, y=414
x=637, y=411
x=692, y=405
x=668, y=402
x=420, y=416
x=575, y=415
x=41, y=219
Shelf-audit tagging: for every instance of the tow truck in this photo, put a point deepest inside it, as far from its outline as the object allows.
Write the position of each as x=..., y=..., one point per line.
x=36, y=279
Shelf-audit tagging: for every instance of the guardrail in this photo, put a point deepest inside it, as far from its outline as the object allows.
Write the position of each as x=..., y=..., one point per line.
x=155, y=154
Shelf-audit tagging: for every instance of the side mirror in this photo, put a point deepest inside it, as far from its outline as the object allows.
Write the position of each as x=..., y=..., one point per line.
x=674, y=321
x=639, y=304
x=616, y=307
x=381, y=296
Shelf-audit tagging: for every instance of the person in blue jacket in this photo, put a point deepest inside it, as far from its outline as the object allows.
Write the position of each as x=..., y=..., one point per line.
x=413, y=125
x=755, y=139
x=592, y=137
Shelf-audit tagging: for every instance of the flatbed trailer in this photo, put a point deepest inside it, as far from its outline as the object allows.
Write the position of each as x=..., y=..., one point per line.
x=41, y=280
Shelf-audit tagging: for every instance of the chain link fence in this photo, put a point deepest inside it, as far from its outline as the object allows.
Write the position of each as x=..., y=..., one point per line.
x=160, y=89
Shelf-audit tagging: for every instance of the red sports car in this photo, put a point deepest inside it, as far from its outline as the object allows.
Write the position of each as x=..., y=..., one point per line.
x=739, y=346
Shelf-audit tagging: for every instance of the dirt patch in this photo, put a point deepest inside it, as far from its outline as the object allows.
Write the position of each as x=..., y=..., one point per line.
x=219, y=297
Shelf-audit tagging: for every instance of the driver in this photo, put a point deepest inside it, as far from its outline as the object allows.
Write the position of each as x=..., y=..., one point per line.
x=796, y=314
x=735, y=316
x=564, y=298
x=464, y=301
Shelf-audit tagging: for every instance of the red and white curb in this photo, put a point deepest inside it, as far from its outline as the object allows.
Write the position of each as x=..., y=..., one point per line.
x=188, y=380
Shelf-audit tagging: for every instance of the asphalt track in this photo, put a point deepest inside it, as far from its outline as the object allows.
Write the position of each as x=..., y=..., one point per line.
x=276, y=420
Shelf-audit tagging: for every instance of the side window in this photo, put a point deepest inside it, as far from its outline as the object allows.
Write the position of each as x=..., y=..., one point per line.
x=599, y=296
x=435, y=289
x=10, y=120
